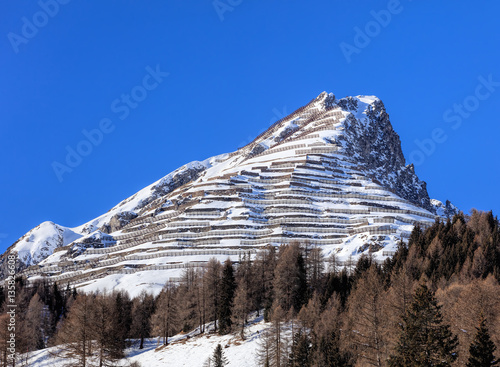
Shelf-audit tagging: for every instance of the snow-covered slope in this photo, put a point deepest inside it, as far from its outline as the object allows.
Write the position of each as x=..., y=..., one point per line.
x=331, y=174
x=185, y=350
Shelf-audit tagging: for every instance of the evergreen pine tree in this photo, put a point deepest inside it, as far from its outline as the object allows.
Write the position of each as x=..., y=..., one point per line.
x=482, y=348
x=327, y=353
x=227, y=289
x=424, y=339
x=300, y=355
x=122, y=318
x=218, y=359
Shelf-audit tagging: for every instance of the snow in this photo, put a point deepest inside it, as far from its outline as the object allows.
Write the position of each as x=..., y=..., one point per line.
x=363, y=103
x=184, y=350
x=151, y=281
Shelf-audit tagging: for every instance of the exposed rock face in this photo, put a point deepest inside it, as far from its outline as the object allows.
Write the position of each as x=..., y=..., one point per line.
x=118, y=221
x=371, y=140
x=166, y=186
x=179, y=179
x=447, y=210
x=256, y=150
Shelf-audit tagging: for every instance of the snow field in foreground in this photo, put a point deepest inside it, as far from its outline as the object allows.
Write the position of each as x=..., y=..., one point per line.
x=184, y=350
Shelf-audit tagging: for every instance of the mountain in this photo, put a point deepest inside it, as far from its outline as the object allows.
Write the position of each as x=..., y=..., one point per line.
x=331, y=174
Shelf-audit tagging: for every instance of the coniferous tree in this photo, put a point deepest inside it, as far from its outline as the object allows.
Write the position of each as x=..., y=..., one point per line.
x=315, y=266
x=328, y=352
x=218, y=358
x=265, y=349
x=227, y=289
x=245, y=297
x=4, y=339
x=310, y=316
x=58, y=304
x=300, y=354
x=302, y=292
x=192, y=295
x=31, y=333
x=482, y=348
x=272, y=346
x=424, y=339
x=122, y=315
x=462, y=303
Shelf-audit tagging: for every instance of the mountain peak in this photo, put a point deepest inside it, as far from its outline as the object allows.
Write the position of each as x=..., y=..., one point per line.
x=332, y=174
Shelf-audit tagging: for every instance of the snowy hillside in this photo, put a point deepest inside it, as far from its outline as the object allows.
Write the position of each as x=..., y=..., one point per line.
x=188, y=350
x=331, y=174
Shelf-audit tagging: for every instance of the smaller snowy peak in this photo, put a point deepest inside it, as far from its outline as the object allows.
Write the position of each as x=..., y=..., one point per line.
x=39, y=243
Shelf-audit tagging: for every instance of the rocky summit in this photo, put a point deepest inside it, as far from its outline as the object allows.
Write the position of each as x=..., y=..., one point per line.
x=331, y=174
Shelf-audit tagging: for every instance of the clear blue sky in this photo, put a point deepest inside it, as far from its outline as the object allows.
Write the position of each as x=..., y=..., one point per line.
x=232, y=71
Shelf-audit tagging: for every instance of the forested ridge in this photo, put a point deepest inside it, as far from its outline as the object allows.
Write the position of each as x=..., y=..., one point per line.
x=436, y=302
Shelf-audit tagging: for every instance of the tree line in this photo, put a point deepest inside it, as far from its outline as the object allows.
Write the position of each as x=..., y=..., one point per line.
x=436, y=302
